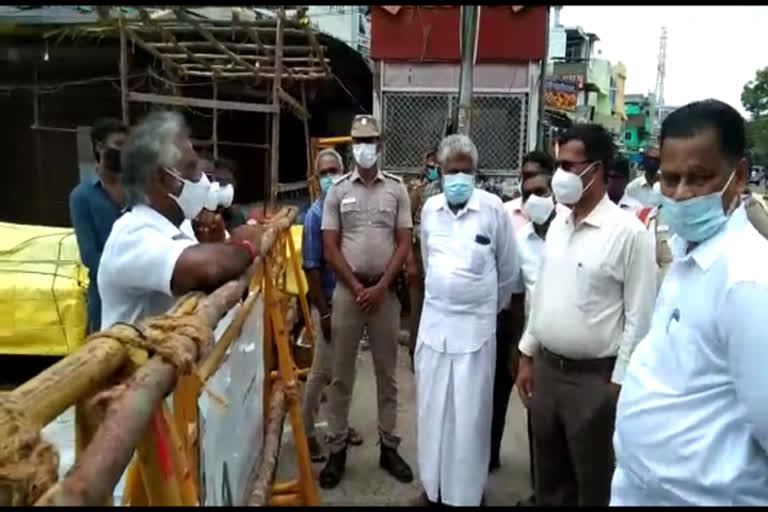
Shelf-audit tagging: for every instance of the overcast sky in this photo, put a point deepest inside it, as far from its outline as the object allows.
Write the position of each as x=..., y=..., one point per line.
x=712, y=51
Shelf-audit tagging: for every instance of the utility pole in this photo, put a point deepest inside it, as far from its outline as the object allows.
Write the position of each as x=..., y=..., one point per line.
x=469, y=27
x=542, y=77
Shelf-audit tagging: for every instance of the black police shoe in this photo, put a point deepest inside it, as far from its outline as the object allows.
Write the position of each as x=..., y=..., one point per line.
x=390, y=461
x=333, y=471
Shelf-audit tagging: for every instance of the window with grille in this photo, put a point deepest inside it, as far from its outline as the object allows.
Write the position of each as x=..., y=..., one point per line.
x=415, y=121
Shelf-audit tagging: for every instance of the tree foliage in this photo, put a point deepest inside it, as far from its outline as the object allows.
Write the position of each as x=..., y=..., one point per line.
x=757, y=140
x=754, y=96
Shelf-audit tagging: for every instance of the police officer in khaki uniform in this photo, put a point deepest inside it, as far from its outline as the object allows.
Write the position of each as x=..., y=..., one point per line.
x=366, y=239
x=429, y=185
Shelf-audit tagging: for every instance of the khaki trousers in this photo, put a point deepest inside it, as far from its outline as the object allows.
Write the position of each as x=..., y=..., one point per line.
x=347, y=323
x=319, y=375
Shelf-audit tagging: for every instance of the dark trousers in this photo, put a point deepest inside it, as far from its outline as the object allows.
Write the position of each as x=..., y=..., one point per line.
x=573, y=411
x=531, y=458
x=504, y=380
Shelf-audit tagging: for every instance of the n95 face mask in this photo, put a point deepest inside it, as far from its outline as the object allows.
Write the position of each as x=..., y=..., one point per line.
x=568, y=187
x=538, y=208
x=219, y=196
x=193, y=195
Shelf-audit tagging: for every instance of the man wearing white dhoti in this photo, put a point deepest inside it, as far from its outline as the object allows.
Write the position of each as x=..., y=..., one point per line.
x=471, y=266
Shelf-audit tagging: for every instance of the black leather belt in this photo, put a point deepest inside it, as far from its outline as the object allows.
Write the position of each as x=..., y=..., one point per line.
x=578, y=365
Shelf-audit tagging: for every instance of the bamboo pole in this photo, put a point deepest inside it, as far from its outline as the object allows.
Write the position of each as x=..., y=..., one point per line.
x=215, y=121
x=259, y=486
x=215, y=42
x=256, y=58
x=307, y=142
x=44, y=397
x=129, y=414
x=137, y=40
x=276, y=84
x=243, y=74
x=124, y=73
x=186, y=29
x=292, y=49
x=260, y=72
x=146, y=18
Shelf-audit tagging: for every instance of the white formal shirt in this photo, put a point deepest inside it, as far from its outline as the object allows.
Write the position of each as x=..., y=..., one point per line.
x=514, y=209
x=692, y=417
x=465, y=277
x=642, y=191
x=629, y=203
x=530, y=246
x=137, y=266
x=531, y=249
x=596, y=288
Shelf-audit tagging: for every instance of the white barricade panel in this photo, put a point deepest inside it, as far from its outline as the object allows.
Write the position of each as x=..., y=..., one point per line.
x=231, y=437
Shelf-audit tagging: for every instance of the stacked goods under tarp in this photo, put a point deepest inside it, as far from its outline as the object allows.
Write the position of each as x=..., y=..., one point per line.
x=42, y=291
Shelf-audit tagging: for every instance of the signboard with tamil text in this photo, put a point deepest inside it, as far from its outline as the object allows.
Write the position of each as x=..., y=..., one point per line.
x=560, y=95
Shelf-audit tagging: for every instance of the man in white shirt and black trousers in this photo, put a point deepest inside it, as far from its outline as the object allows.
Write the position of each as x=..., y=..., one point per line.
x=591, y=305
x=692, y=419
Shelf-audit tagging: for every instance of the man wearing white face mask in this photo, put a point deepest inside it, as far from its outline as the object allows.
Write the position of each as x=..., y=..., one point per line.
x=366, y=239
x=540, y=207
x=591, y=304
x=692, y=419
x=471, y=265
x=511, y=318
x=148, y=259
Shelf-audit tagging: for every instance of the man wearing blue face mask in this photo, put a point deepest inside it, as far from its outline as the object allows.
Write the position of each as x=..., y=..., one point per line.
x=472, y=267
x=430, y=186
x=692, y=418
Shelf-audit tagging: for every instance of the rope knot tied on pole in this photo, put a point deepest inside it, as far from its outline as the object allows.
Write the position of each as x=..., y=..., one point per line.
x=29, y=465
x=166, y=336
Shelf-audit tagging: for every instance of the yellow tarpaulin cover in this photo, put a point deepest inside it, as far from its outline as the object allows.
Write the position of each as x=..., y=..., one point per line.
x=291, y=285
x=42, y=291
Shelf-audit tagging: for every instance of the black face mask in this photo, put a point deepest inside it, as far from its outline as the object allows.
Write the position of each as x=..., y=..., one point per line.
x=111, y=159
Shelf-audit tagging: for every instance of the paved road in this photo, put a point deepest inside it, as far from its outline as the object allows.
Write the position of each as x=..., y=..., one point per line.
x=366, y=484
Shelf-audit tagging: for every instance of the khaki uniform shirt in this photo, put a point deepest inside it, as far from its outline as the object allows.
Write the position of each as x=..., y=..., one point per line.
x=419, y=193
x=367, y=217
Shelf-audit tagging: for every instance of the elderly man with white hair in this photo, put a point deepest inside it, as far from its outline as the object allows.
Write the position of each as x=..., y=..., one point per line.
x=472, y=267
x=151, y=256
